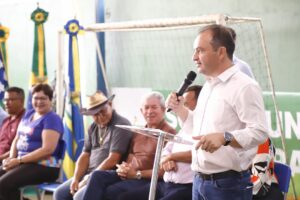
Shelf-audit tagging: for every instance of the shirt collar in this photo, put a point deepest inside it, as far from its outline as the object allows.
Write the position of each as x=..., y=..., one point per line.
x=228, y=73
x=223, y=77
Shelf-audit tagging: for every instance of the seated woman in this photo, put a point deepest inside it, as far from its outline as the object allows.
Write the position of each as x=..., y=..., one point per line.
x=35, y=152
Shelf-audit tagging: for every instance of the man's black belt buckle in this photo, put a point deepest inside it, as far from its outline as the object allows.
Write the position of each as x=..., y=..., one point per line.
x=222, y=175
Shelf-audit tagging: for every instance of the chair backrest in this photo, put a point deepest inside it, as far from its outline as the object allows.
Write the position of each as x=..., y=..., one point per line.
x=283, y=173
x=61, y=152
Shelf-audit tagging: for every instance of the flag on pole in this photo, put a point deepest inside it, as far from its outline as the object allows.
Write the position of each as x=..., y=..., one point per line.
x=39, y=67
x=4, y=33
x=73, y=121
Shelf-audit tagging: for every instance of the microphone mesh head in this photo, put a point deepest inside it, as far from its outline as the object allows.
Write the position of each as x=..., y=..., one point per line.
x=191, y=75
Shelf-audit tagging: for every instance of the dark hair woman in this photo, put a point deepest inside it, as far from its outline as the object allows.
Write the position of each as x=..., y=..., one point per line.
x=35, y=154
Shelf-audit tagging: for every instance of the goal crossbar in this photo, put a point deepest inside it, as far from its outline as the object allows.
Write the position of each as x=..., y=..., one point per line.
x=169, y=23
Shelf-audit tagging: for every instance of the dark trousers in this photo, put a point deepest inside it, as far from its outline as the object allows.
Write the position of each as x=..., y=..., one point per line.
x=22, y=175
x=164, y=191
x=108, y=185
x=273, y=194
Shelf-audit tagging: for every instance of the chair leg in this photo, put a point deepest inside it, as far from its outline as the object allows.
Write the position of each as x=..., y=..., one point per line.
x=285, y=196
x=21, y=193
x=37, y=191
x=42, y=194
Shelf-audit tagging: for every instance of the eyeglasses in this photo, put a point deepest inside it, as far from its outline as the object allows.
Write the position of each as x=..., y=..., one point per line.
x=40, y=98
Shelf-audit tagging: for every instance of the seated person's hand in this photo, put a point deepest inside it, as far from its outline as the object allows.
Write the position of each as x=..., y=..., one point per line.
x=10, y=163
x=74, y=186
x=125, y=171
x=84, y=181
x=167, y=164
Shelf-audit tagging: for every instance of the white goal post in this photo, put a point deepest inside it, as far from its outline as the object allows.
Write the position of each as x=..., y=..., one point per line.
x=162, y=29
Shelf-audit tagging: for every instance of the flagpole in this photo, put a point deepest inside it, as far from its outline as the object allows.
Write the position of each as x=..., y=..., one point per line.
x=60, y=103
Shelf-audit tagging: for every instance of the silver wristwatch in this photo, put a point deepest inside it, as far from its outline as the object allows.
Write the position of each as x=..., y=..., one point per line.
x=228, y=137
x=138, y=175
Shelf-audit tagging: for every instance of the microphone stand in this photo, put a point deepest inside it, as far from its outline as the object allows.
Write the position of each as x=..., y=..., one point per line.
x=159, y=147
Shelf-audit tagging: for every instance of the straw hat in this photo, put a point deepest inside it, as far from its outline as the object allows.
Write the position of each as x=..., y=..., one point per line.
x=95, y=102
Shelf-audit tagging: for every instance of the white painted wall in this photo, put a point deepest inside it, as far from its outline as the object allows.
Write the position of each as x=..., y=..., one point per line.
x=15, y=14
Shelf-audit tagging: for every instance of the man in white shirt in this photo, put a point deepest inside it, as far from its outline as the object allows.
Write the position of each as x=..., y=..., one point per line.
x=228, y=123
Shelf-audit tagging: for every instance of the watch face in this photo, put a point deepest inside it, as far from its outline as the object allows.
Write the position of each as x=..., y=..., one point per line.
x=138, y=175
x=228, y=138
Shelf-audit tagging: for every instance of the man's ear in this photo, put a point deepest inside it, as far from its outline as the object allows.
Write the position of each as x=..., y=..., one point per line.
x=222, y=52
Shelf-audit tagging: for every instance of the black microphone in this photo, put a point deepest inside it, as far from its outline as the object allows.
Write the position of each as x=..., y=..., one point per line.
x=185, y=84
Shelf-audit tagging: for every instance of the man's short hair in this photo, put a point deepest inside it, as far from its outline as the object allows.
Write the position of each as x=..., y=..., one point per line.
x=196, y=89
x=157, y=95
x=221, y=36
x=17, y=90
x=232, y=32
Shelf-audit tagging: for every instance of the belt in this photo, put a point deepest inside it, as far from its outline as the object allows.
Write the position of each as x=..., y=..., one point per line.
x=222, y=175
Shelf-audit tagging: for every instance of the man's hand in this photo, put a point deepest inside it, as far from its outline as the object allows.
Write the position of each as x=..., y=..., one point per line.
x=167, y=164
x=74, y=187
x=125, y=171
x=84, y=181
x=122, y=170
x=173, y=102
x=210, y=142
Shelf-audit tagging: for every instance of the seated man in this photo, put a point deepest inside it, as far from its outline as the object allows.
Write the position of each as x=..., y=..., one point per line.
x=176, y=161
x=265, y=184
x=105, y=145
x=137, y=169
x=14, y=106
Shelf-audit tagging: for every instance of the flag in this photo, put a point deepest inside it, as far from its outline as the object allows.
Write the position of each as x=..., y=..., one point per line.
x=73, y=121
x=4, y=33
x=39, y=67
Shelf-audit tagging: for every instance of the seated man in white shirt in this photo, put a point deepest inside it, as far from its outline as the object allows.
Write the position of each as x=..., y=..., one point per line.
x=176, y=159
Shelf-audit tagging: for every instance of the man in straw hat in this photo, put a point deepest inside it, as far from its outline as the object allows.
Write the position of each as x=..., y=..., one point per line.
x=105, y=145
x=137, y=169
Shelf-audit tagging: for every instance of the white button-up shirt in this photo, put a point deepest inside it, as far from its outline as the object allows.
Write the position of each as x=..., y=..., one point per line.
x=230, y=102
x=184, y=173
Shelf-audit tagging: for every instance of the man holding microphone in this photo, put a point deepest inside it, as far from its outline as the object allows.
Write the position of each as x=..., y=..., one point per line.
x=228, y=123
